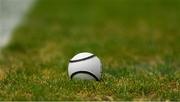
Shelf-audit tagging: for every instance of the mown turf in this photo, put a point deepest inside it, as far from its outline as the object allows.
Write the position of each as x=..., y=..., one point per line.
x=137, y=41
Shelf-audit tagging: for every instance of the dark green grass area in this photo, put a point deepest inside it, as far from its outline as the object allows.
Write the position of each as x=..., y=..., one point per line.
x=137, y=41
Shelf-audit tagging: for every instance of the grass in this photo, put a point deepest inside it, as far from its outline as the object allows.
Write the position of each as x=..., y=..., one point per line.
x=137, y=41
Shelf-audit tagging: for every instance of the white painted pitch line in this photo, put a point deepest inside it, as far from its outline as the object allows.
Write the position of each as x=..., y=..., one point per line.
x=12, y=13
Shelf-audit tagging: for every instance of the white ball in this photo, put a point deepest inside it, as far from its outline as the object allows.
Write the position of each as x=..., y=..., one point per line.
x=85, y=66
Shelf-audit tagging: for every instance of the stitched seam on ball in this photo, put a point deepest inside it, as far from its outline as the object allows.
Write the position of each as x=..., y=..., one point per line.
x=85, y=72
x=72, y=61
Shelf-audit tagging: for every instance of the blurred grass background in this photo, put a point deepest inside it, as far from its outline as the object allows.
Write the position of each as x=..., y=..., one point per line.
x=137, y=41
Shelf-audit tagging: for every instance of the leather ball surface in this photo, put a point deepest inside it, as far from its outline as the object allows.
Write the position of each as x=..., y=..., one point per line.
x=85, y=66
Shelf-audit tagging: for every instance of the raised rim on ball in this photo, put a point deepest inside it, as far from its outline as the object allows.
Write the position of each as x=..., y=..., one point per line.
x=78, y=60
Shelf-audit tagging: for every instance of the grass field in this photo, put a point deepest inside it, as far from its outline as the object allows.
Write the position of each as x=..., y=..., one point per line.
x=137, y=41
